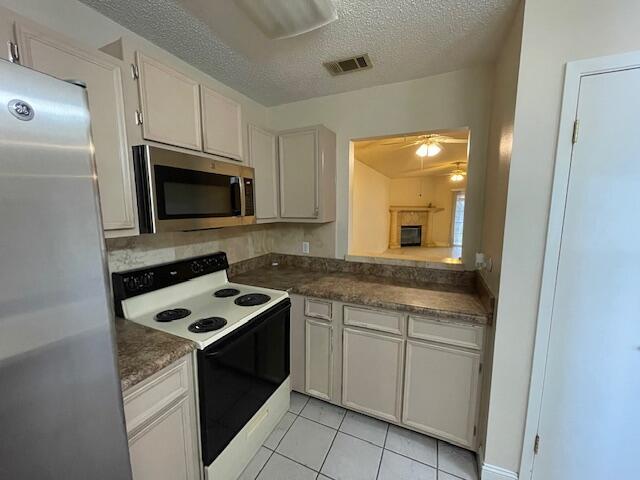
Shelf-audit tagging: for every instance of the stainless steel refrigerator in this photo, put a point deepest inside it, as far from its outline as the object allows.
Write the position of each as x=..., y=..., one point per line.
x=61, y=413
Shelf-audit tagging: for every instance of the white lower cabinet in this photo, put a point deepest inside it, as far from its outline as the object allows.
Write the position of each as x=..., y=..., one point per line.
x=162, y=425
x=372, y=373
x=318, y=358
x=441, y=391
x=413, y=371
x=160, y=450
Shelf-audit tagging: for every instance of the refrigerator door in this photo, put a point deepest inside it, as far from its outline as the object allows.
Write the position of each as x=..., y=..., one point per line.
x=61, y=414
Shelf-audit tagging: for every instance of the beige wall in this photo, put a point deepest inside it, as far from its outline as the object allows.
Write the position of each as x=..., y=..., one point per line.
x=424, y=190
x=554, y=33
x=370, y=210
x=448, y=101
x=499, y=149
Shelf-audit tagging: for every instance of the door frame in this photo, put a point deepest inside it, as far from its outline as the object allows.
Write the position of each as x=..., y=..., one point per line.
x=574, y=72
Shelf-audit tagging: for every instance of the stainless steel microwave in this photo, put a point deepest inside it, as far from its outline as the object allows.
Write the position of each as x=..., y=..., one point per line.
x=180, y=192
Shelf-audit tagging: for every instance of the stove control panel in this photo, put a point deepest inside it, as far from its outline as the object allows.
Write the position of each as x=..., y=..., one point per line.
x=143, y=280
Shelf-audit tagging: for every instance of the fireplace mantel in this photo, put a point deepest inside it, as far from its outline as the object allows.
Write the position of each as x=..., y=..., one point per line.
x=405, y=215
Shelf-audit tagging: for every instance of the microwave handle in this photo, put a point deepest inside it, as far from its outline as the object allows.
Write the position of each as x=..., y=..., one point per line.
x=237, y=205
x=243, y=200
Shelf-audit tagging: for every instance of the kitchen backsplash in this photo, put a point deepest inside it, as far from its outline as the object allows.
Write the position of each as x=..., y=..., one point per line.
x=240, y=243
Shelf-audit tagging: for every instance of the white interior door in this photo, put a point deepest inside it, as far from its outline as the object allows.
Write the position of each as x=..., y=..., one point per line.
x=589, y=424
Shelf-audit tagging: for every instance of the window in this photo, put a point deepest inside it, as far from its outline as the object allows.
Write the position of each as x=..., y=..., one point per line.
x=458, y=219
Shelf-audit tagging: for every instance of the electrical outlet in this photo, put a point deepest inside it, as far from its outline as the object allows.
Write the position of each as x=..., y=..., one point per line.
x=305, y=247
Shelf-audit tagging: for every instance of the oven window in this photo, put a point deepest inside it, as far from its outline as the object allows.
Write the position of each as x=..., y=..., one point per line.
x=193, y=194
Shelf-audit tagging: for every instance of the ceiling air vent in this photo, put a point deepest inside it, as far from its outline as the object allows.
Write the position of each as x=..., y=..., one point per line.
x=348, y=65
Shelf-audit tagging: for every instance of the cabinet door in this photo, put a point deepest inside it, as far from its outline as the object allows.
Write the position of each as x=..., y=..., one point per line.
x=372, y=373
x=170, y=104
x=221, y=124
x=103, y=77
x=164, y=450
x=318, y=359
x=297, y=344
x=441, y=391
x=264, y=160
x=298, y=154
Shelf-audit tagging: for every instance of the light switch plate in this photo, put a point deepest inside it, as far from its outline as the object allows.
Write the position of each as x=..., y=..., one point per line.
x=305, y=247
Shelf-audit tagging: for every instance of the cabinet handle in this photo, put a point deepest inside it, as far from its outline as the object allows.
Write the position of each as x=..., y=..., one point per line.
x=14, y=52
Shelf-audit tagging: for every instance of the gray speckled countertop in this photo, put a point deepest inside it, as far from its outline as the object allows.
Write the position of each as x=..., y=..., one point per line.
x=442, y=302
x=144, y=351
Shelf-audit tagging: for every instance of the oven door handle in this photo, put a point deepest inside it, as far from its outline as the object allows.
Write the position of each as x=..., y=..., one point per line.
x=223, y=345
x=235, y=337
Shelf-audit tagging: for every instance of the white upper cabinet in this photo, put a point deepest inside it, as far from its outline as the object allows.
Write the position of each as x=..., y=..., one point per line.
x=221, y=124
x=264, y=159
x=102, y=74
x=170, y=103
x=307, y=161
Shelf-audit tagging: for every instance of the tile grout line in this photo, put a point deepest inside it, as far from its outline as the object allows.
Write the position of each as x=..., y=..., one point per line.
x=413, y=459
x=278, y=444
x=346, y=411
x=384, y=443
x=332, y=441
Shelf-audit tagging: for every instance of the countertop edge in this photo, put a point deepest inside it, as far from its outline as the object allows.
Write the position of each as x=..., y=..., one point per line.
x=142, y=352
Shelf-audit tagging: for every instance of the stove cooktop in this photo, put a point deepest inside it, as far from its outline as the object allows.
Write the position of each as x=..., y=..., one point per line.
x=165, y=309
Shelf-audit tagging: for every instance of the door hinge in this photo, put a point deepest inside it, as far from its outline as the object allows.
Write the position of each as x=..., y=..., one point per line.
x=576, y=129
x=135, y=73
x=139, y=117
x=475, y=430
x=14, y=52
x=480, y=368
x=536, y=445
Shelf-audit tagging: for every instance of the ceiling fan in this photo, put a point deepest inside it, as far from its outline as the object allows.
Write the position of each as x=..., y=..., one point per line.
x=430, y=145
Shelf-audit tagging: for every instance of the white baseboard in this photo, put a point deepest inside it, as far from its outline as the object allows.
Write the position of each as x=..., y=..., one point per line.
x=491, y=472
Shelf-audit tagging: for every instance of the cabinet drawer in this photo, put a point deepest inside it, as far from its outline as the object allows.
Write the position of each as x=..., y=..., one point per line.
x=376, y=320
x=318, y=308
x=467, y=336
x=147, y=399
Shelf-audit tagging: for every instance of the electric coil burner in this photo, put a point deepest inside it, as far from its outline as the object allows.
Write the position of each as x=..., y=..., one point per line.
x=226, y=292
x=207, y=325
x=173, y=314
x=252, y=299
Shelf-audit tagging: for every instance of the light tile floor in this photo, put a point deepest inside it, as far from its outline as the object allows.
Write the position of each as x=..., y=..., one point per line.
x=317, y=440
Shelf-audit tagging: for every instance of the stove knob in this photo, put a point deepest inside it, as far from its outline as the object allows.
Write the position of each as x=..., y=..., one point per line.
x=196, y=267
x=147, y=280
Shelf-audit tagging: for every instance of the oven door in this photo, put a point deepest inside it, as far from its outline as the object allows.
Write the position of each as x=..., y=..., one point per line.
x=238, y=374
x=178, y=191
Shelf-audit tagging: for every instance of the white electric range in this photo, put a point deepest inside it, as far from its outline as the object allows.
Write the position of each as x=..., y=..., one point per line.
x=242, y=361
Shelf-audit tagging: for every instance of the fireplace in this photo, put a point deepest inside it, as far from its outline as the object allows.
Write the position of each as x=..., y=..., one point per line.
x=410, y=235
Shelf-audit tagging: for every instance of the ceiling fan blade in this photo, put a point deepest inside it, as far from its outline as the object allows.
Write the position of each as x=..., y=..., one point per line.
x=451, y=140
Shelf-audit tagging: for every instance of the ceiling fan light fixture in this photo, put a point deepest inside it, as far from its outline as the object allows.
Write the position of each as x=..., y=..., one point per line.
x=285, y=18
x=423, y=150
x=428, y=149
x=457, y=177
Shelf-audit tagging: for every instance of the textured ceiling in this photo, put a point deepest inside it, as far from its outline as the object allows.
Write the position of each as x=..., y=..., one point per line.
x=395, y=157
x=406, y=39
